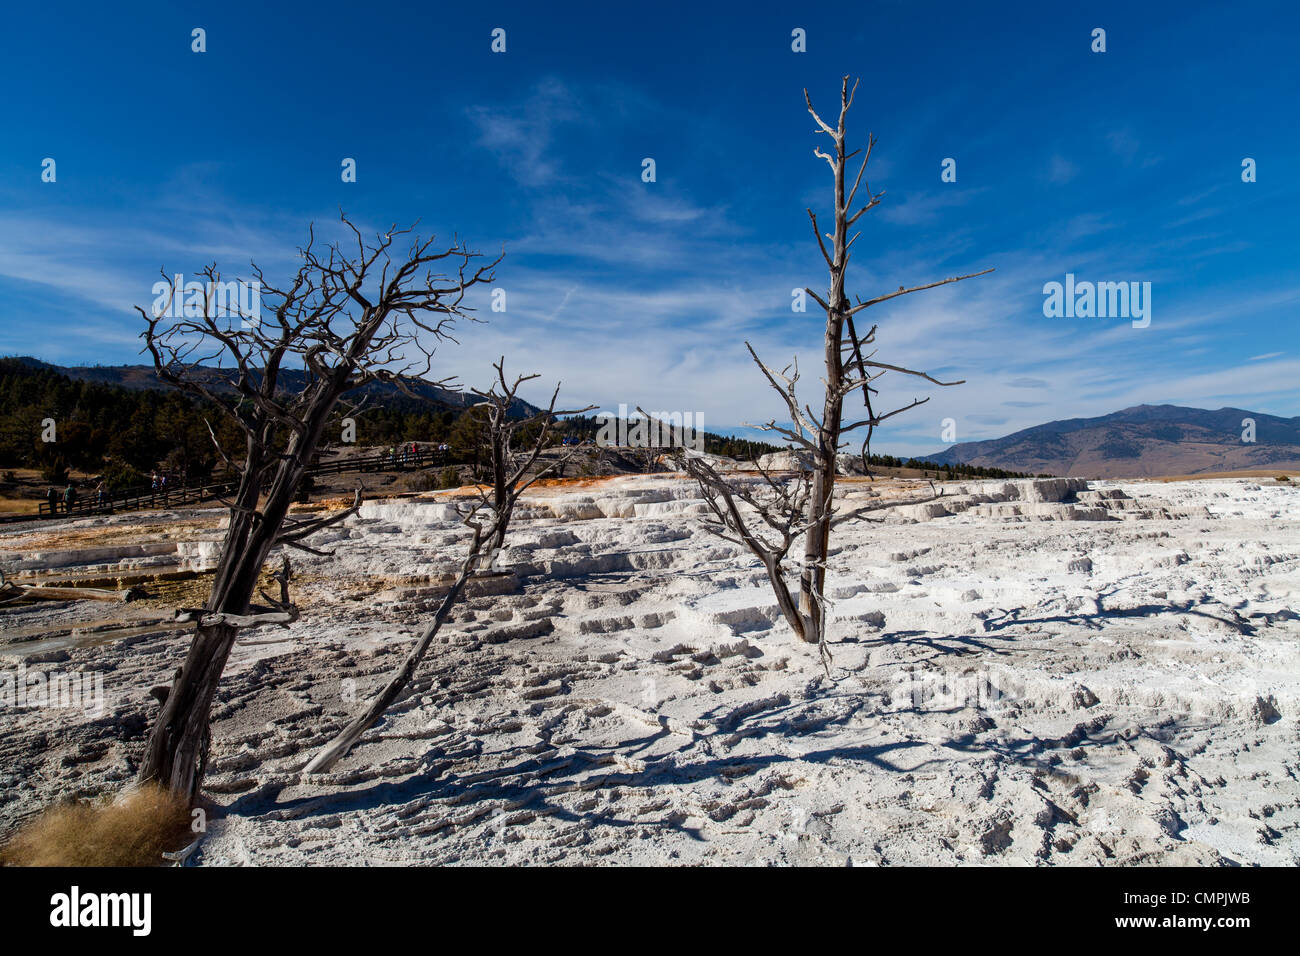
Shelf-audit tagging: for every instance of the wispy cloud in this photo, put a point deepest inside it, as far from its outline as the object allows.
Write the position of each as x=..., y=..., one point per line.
x=520, y=136
x=646, y=292
x=925, y=207
x=1060, y=170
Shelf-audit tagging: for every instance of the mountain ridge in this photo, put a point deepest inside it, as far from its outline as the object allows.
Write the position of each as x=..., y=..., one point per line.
x=1141, y=441
x=143, y=377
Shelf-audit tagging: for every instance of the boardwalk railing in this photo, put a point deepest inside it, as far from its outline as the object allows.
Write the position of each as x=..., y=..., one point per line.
x=135, y=499
x=146, y=496
x=397, y=461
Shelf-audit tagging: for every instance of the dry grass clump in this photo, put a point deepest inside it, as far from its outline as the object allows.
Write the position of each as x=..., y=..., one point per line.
x=131, y=830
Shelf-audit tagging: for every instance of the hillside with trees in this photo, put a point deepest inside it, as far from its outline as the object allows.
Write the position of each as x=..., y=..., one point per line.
x=111, y=423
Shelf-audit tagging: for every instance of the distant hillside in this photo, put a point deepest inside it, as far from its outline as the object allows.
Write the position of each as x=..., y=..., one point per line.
x=1140, y=442
x=390, y=396
x=122, y=422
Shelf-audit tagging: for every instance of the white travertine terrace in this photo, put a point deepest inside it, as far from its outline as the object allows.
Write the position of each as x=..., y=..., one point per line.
x=1041, y=671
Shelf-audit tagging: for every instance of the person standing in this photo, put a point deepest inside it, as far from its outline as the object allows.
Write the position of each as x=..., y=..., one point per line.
x=69, y=497
x=52, y=497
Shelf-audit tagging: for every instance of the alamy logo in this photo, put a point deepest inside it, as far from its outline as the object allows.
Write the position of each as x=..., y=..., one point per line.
x=1102, y=300
x=662, y=430
x=73, y=909
x=83, y=690
x=942, y=690
x=179, y=299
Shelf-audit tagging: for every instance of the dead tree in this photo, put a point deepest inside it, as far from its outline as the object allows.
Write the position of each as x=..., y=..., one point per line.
x=509, y=468
x=768, y=514
x=488, y=520
x=848, y=367
x=12, y=593
x=806, y=507
x=351, y=315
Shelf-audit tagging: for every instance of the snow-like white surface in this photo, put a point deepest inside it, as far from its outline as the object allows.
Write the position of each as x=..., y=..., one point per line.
x=1022, y=672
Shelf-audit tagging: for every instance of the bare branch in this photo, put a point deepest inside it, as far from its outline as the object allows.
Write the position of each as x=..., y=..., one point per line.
x=916, y=288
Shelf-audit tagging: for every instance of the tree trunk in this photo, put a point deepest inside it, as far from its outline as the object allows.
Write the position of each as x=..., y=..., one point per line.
x=784, y=600
x=176, y=753
x=812, y=584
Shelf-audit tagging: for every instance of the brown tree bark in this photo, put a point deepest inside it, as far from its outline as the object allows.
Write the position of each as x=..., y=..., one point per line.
x=344, y=334
x=176, y=753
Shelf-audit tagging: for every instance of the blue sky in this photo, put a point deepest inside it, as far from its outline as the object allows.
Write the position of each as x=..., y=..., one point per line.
x=1115, y=166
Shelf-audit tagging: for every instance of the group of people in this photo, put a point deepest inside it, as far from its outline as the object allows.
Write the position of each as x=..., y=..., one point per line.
x=158, y=483
x=410, y=453
x=66, y=500
x=68, y=497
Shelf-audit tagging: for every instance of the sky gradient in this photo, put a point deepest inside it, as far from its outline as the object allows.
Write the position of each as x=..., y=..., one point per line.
x=1117, y=166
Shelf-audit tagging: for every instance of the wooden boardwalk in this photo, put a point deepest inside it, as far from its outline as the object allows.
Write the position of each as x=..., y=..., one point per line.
x=146, y=497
